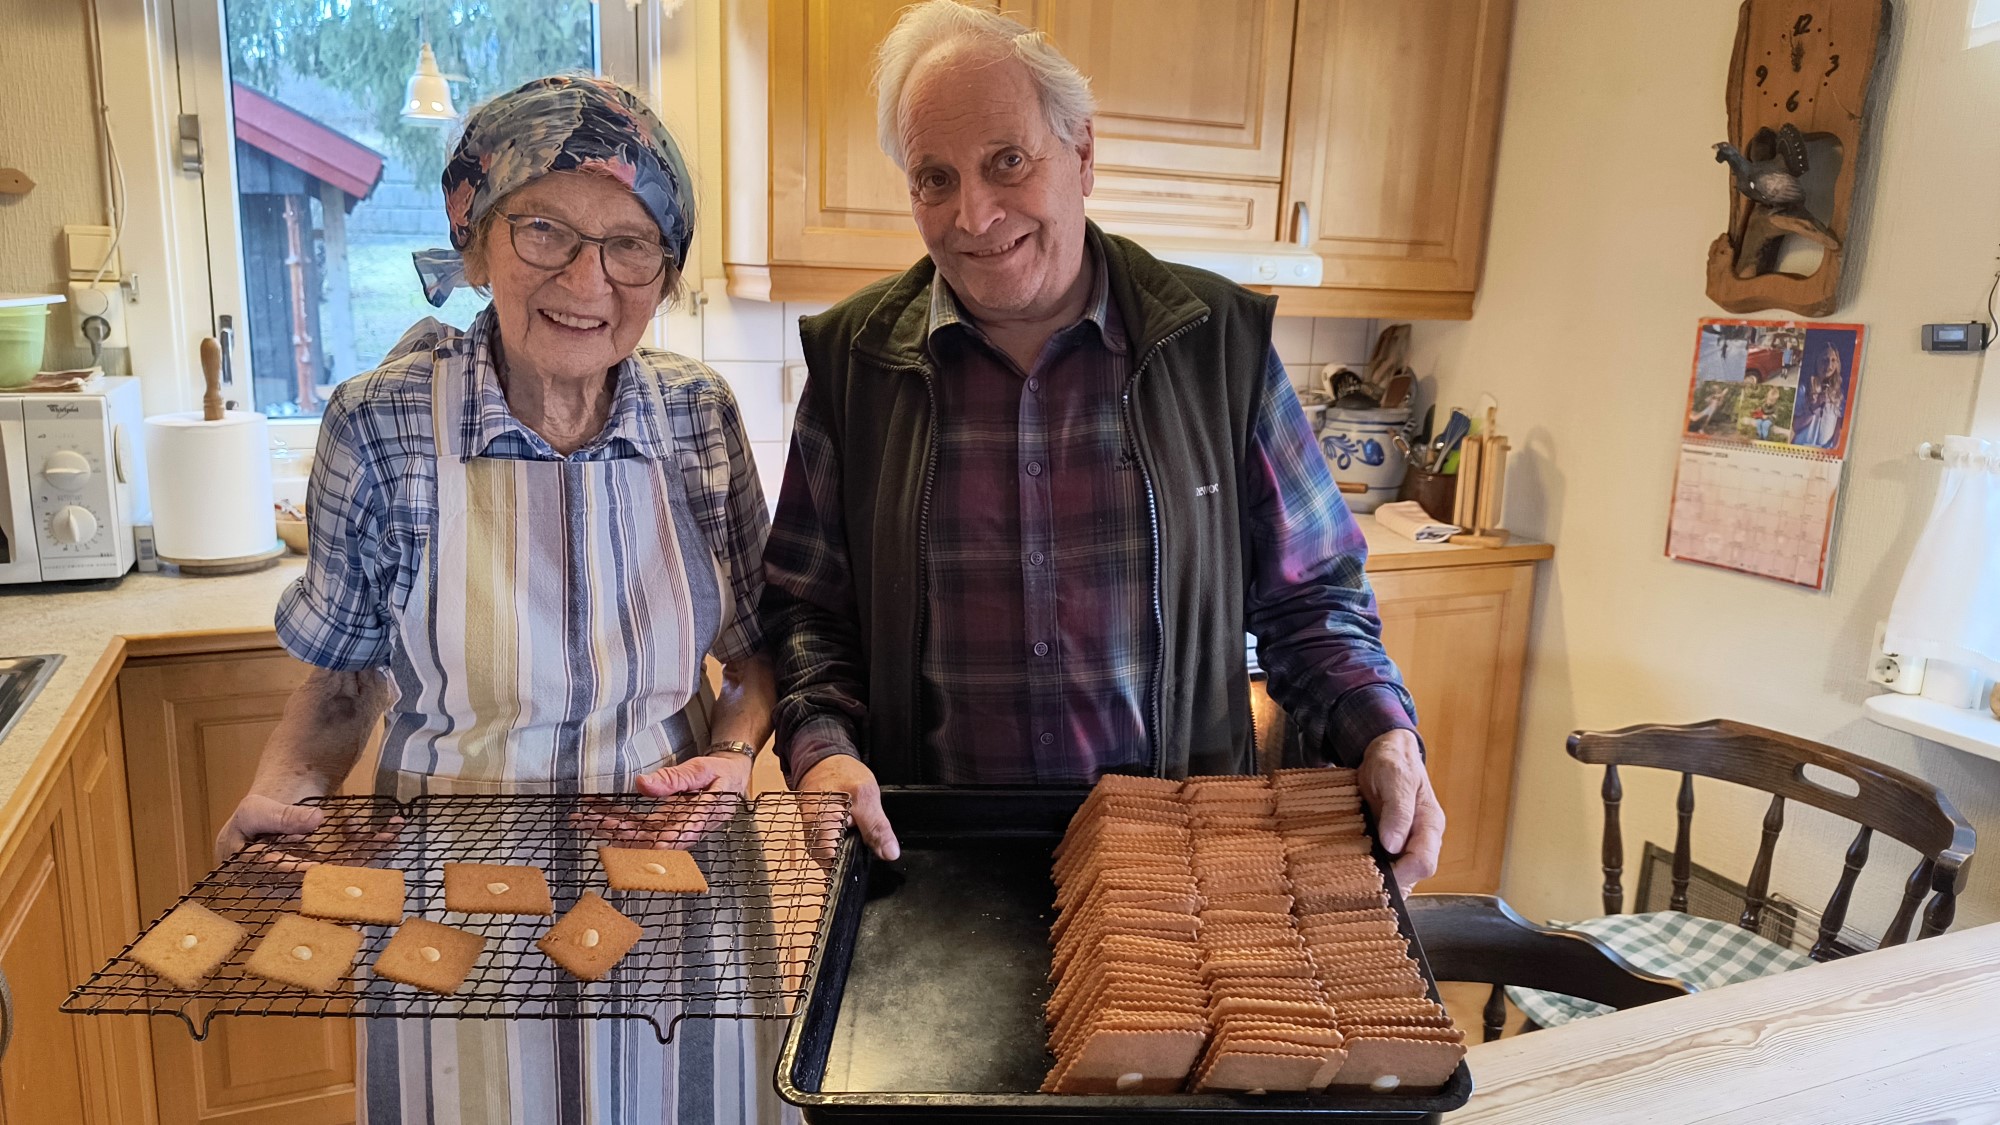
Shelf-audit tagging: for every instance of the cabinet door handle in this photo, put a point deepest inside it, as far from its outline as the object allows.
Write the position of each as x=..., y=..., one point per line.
x=1301, y=223
x=6, y=1015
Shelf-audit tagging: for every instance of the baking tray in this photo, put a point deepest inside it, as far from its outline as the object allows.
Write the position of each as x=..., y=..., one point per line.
x=925, y=996
x=739, y=951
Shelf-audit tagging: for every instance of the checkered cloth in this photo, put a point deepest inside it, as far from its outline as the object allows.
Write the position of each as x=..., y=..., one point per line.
x=1703, y=952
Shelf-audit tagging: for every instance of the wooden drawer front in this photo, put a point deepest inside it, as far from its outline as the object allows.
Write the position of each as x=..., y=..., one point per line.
x=1137, y=205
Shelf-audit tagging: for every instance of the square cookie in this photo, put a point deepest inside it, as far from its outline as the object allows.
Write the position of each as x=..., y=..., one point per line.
x=353, y=894
x=652, y=869
x=591, y=938
x=496, y=888
x=432, y=957
x=305, y=953
x=188, y=944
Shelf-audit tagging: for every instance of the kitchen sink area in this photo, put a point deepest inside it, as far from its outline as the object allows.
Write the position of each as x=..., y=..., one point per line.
x=21, y=678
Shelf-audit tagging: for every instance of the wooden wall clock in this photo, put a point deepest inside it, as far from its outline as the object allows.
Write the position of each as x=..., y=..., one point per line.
x=1809, y=65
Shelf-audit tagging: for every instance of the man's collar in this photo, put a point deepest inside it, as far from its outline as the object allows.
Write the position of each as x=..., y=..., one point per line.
x=633, y=420
x=946, y=311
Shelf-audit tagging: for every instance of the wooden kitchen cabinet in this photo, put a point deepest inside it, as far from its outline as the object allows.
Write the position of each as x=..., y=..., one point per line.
x=1459, y=634
x=1371, y=125
x=839, y=211
x=66, y=906
x=194, y=727
x=1395, y=116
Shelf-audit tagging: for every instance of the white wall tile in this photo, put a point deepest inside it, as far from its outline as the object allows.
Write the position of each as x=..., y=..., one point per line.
x=758, y=389
x=793, y=311
x=1293, y=337
x=734, y=330
x=678, y=330
x=1342, y=340
x=1305, y=376
x=770, y=457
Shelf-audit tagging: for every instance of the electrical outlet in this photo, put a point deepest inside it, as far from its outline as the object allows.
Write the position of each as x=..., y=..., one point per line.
x=105, y=299
x=1903, y=674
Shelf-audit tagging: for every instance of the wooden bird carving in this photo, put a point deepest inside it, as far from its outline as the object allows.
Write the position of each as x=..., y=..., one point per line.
x=1773, y=182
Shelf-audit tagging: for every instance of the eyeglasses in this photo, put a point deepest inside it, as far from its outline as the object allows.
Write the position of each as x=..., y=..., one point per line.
x=547, y=244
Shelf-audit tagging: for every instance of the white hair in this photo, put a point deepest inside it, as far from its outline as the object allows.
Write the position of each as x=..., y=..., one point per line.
x=924, y=28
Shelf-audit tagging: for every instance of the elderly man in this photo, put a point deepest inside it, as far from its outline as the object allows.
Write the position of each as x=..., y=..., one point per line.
x=1041, y=482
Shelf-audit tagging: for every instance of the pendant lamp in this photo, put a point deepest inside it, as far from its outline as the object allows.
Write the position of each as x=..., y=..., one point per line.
x=429, y=99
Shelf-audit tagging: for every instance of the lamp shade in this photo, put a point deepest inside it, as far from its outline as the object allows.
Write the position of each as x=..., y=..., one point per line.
x=1948, y=605
x=429, y=98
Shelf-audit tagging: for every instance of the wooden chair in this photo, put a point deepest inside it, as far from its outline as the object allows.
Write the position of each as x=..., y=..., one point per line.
x=1479, y=938
x=1889, y=801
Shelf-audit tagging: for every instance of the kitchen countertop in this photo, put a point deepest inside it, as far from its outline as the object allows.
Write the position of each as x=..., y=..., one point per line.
x=80, y=624
x=1390, y=551
x=1904, y=1034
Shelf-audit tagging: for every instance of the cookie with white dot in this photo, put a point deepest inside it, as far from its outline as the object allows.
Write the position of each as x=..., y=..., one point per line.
x=352, y=894
x=590, y=938
x=188, y=945
x=305, y=953
x=431, y=957
x=496, y=888
x=652, y=869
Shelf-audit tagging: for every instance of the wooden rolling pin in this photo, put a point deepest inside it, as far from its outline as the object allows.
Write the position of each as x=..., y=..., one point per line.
x=211, y=377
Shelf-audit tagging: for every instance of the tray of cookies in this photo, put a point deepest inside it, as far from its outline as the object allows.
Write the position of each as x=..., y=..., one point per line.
x=702, y=905
x=1218, y=949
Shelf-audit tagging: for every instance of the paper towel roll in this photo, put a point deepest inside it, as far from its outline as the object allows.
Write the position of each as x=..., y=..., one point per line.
x=211, y=484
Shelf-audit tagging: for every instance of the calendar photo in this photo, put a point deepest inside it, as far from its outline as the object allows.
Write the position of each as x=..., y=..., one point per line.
x=1764, y=434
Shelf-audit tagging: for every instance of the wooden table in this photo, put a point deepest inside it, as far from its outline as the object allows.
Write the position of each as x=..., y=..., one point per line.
x=1905, y=1034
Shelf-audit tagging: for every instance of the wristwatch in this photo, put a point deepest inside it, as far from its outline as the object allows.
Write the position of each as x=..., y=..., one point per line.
x=732, y=746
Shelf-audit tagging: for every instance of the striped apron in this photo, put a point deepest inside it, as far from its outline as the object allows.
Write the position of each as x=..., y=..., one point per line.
x=551, y=642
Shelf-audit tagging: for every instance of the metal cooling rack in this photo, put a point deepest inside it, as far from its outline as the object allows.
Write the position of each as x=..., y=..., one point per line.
x=741, y=951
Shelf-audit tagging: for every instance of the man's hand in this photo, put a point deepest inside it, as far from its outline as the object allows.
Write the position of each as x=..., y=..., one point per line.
x=1407, y=816
x=845, y=773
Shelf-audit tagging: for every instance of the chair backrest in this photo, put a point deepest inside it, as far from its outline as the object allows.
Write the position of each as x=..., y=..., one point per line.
x=1885, y=800
x=1479, y=938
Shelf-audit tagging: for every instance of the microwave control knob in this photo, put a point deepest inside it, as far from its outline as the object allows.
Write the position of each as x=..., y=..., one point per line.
x=72, y=525
x=66, y=469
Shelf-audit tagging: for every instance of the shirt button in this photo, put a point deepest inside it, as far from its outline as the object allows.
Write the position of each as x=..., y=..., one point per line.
x=1048, y=739
x=1041, y=648
x=1034, y=468
x=1035, y=385
x=1037, y=558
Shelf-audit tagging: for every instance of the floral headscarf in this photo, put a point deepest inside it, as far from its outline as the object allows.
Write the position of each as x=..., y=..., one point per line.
x=558, y=124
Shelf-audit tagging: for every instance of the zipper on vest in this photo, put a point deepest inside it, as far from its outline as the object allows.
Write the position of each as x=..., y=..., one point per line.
x=1153, y=518
x=923, y=571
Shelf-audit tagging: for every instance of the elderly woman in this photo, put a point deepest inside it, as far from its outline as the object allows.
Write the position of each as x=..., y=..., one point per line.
x=537, y=530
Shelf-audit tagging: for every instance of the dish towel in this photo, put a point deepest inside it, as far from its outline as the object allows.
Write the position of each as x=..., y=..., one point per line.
x=1408, y=518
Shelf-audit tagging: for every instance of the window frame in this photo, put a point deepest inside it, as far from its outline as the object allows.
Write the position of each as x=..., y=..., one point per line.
x=209, y=273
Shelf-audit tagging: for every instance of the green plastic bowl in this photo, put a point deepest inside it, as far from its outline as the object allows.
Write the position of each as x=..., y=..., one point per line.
x=23, y=330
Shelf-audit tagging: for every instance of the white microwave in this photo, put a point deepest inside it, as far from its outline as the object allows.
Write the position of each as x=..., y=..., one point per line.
x=72, y=483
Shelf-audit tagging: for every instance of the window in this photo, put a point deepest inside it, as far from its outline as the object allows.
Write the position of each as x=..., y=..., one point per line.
x=1985, y=23
x=318, y=187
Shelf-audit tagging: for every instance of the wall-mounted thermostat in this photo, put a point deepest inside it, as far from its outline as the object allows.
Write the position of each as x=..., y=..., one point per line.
x=1968, y=337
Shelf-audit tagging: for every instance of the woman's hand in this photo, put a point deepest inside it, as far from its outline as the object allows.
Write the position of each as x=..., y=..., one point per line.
x=677, y=824
x=257, y=815
x=725, y=772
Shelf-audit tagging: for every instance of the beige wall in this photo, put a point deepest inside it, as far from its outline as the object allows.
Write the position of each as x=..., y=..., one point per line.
x=50, y=133
x=1606, y=201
